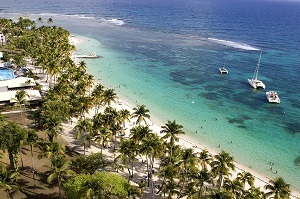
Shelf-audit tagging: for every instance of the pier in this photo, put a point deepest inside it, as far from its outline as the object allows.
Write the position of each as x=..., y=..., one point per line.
x=92, y=55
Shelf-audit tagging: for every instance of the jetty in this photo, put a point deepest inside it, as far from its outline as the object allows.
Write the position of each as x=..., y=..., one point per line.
x=92, y=55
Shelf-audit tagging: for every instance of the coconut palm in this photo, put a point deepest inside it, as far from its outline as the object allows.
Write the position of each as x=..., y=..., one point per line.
x=221, y=166
x=137, y=133
x=234, y=188
x=108, y=97
x=32, y=139
x=83, y=129
x=202, y=177
x=59, y=171
x=246, y=177
x=167, y=173
x=97, y=95
x=172, y=130
x=187, y=164
x=124, y=115
x=205, y=158
x=278, y=189
x=127, y=155
x=152, y=147
x=254, y=193
x=8, y=180
x=141, y=113
x=20, y=100
x=50, y=150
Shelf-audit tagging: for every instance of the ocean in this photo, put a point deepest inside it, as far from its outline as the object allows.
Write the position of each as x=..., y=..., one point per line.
x=166, y=55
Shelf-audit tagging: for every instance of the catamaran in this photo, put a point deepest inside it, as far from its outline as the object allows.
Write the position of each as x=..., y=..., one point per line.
x=272, y=97
x=254, y=82
x=223, y=69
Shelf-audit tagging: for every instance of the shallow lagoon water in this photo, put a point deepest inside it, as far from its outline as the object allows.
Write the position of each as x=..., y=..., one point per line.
x=168, y=59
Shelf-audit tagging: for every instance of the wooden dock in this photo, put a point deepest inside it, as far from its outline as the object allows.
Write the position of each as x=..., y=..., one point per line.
x=92, y=55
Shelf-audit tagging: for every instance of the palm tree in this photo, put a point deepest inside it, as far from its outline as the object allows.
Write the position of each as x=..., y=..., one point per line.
x=221, y=166
x=204, y=176
x=278, y=189
x=124, y=115
x=187, y=164
x=253, y=193
x=108, y=97
x=83, y=129
x=234, y=188
x=20, y=99
x=172, y=130
x=246, y=177
x=137, y=133
x=127, y=155
x=97, y=95
x=141, y=113
x=152, y=147
x=8, y=179
x=60, y=171
x=50, y=150
x=205, y=158
x=32, y=139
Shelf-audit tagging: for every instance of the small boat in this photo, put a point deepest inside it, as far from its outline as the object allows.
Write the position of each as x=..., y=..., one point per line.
x=273, y=97
x=254, y=82
x=223, y=69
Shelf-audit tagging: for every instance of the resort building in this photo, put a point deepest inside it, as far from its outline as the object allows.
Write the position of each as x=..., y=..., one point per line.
x=9, y=88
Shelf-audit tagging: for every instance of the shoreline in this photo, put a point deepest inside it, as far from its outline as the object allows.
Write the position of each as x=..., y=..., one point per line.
x=187, y=142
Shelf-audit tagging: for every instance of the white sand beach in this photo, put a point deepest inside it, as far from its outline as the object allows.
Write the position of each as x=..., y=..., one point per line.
x=185, y=141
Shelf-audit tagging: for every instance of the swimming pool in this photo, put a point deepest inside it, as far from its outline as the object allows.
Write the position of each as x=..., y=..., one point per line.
x=6, y=74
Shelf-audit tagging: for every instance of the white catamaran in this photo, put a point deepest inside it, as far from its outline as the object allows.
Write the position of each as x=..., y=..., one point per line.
x=254, y=82
x=223, y=69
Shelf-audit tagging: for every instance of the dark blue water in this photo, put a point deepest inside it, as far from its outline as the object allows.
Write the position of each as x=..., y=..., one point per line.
x=166, y=54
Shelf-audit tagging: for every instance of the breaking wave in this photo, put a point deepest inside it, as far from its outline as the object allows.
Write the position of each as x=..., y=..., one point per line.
x=233, y=44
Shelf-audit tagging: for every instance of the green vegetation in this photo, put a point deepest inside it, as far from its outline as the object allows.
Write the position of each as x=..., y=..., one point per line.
x=181, y=172
x=100, y=185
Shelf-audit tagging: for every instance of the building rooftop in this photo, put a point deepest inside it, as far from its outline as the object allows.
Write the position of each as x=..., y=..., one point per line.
x=19, y=82
x=33, y=95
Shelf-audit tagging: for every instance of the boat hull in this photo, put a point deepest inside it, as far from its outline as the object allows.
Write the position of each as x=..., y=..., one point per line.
x=256, y=83
x=223, y=70
x=272, y=97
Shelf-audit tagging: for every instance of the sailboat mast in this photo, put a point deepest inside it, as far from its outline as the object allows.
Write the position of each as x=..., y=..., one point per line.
x=258, y=64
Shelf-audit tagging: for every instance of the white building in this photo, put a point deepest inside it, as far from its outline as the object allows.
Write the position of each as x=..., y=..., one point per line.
x=9, y=88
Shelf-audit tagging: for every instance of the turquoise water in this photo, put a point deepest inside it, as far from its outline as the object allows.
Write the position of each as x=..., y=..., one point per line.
x=166, y=55
x=253, y=139
x=6, y=74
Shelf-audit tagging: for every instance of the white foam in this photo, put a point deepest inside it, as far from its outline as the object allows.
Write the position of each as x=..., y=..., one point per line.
x=117, y=22
x=233, y=44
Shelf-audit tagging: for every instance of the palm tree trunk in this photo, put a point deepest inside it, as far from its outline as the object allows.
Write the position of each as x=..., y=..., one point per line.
x=7, y=194
x=59, y=184
x=147, y=170
x=22, y=163
x=162, y=185
x=33, y=169
x=221, y=182
x=131, y=170
x=84, y=148
x=102, y=145
x=129, y=174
